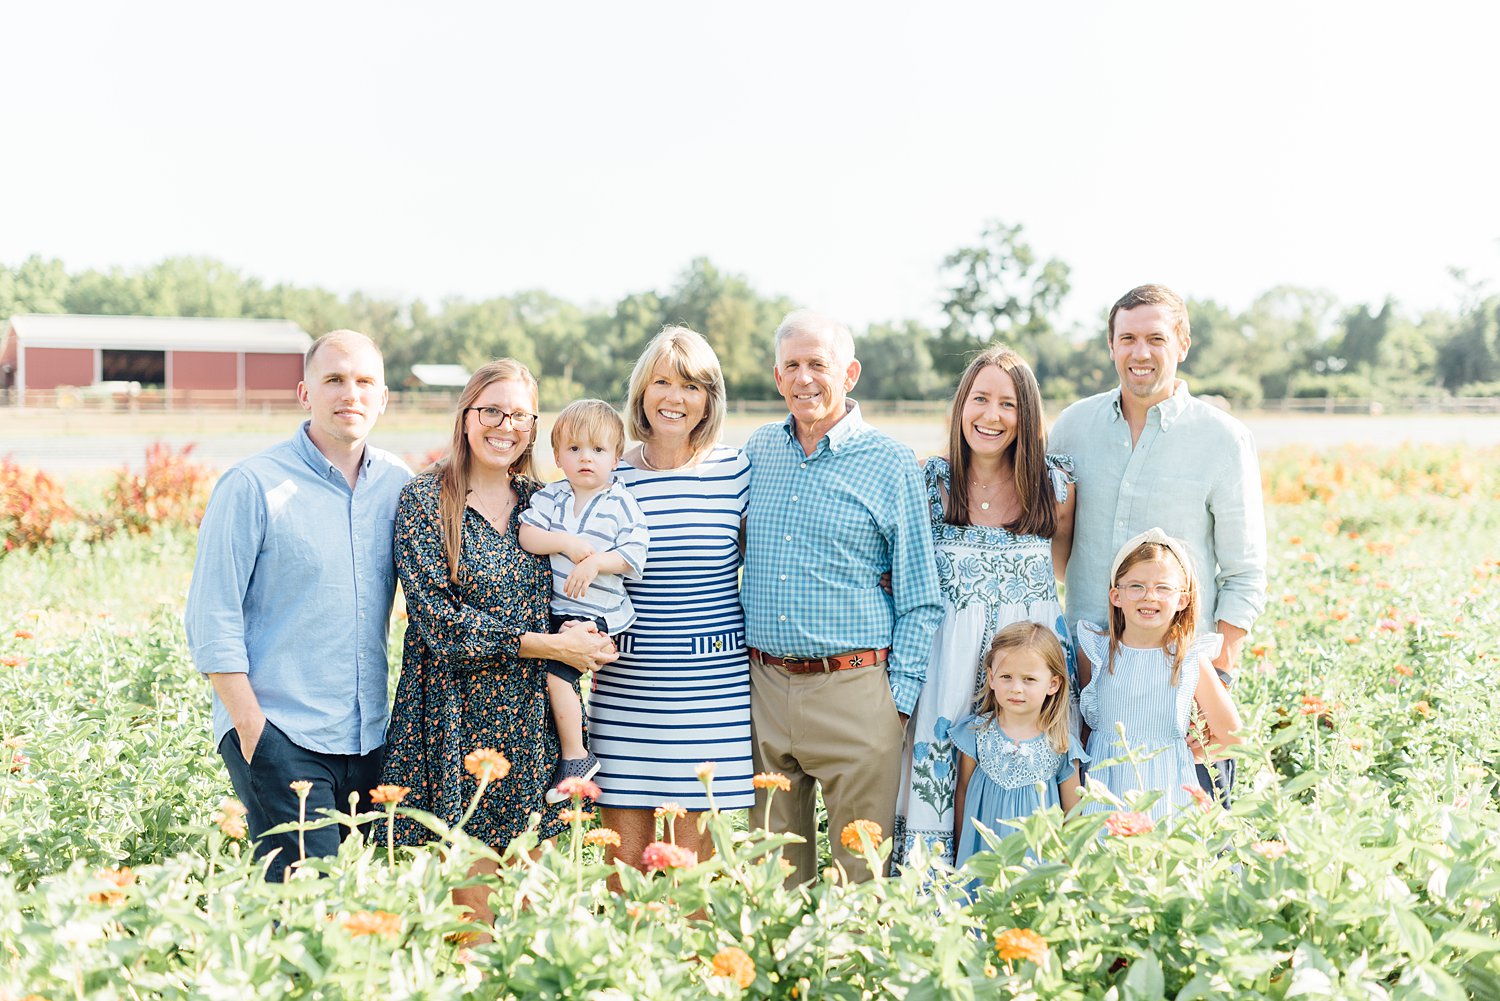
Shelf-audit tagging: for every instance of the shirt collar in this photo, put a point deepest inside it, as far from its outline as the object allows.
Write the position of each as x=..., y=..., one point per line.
x=302, y=443
x=1167, y=410
x=851, y=424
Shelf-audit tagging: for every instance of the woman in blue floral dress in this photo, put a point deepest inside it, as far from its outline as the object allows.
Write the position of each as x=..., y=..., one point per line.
x=1002, y=525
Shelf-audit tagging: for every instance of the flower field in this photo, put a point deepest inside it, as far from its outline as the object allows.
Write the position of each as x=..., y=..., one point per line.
x=1361, y=858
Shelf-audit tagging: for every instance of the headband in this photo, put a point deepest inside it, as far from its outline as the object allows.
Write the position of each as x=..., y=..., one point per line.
x=1156, y=535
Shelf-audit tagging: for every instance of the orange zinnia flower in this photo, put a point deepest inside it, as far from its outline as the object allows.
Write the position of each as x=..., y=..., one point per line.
x=1200, y=797
x=1422, y=709
x=373, y=923
x=392, y=794
x=231, y=818
x=1021, y=943
x=487, y=764
x=1314, y=706
x=850, y=836
x=601, y=837
x=301, y=787
x=24, y=634
x=672, y=811
x=772, y=780
x=1270, y=849
x=12, y=660
x=1127, y=825
x=1403, y=670
x=575, y=816
x=736, y=964
x=119, y=877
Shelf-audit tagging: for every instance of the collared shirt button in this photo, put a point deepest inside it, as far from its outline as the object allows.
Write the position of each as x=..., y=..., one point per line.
x=783, y=618
x=794, y=497
x=803, y=466
x=786, y=538
x=783, y=576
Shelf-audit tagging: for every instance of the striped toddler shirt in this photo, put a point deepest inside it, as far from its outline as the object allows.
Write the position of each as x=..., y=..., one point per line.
x=611, y=521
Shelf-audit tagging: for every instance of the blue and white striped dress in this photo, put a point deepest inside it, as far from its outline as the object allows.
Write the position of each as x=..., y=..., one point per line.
x=680, y=693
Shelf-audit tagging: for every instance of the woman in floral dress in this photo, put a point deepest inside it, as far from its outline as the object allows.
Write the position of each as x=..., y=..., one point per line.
x=1002, y=524
x=471, y=665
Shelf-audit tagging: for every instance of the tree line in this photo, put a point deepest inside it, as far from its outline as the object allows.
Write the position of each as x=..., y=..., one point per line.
x=1290, y=341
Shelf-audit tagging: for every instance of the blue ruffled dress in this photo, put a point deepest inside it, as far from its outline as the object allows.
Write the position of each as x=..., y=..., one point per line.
x=1005, y=784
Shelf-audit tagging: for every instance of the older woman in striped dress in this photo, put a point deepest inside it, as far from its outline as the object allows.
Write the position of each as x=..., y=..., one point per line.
x=679, y=694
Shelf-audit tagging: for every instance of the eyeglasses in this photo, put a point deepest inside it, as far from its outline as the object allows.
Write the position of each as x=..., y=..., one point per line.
x=493, y=417
x=1161, y=592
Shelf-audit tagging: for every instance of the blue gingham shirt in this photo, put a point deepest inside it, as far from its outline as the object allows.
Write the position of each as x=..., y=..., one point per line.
x=613, y=522
x=293, y=585
x=820, y=531
x=1193, y=474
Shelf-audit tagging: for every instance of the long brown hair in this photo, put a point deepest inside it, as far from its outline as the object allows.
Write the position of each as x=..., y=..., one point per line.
x=453, y=469
x=1028, y=456
x=1184, y=625
x=1038, y=639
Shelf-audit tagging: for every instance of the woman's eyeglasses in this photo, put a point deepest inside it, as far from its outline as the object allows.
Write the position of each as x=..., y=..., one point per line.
x=493, y=417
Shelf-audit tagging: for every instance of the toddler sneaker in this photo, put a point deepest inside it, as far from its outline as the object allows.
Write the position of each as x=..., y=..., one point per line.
x=583, y=768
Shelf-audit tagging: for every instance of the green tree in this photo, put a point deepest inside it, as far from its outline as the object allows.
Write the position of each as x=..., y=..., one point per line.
x=896, y=363
x=999, y=291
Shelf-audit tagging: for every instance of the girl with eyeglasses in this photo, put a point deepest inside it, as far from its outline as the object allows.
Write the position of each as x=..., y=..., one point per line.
x=1151, y=697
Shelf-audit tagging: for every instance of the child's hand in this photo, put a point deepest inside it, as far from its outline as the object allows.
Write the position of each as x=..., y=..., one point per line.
x=577, y=550
x=584, y=572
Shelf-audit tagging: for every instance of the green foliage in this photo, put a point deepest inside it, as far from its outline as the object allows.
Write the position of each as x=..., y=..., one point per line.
x=997, y=290
x=1361, y=859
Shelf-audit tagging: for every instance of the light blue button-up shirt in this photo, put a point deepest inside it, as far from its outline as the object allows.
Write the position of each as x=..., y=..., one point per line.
x=820, y=530
x=1193, y=473
x=293, y=585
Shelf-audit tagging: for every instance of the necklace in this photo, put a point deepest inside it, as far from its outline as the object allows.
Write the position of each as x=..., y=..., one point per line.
x=975, y=487
x=483, y=507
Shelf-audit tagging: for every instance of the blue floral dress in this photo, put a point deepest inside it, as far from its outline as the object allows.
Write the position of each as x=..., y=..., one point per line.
x=990, y=578
x=1004, y=785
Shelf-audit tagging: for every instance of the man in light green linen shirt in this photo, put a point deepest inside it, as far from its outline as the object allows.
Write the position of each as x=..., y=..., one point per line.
x=1149, y=454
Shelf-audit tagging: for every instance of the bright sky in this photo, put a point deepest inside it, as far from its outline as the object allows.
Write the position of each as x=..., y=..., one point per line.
x=833, y=153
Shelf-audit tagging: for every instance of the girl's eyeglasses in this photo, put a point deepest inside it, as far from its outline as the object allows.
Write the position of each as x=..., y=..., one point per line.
x=1161, y=592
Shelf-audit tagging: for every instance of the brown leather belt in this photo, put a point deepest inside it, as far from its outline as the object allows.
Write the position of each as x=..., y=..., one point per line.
x=822, y=665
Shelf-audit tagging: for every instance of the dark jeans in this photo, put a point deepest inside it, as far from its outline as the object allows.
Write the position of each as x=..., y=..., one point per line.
x=564, y=671
x=1222, y=788
x=264, y=786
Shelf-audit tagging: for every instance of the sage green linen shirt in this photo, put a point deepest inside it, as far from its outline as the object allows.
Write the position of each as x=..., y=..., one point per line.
x=1193, y=473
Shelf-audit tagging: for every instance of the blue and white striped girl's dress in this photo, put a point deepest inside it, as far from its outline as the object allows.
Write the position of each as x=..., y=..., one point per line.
x=1138, y=694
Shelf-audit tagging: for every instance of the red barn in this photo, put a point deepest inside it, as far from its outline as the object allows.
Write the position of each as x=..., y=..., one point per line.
x=171, y=354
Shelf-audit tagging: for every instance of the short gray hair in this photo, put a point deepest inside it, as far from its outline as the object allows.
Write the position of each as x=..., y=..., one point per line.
x=810, y=321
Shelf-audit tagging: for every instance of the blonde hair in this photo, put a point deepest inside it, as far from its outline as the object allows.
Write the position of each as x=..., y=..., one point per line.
x=1184, y=624
x=1034, y=638
x=589, y=422
x=453, y=469
x=341, y=336
x=694, y=361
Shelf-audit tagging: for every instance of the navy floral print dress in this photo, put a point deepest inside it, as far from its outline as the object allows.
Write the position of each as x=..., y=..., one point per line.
x=463, y=683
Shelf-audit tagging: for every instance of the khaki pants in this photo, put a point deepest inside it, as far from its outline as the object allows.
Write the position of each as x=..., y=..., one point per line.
x=840, y=730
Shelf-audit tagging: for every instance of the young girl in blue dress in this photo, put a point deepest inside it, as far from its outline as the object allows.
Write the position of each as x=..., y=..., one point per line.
x=1016, y=753
x=1151, y=675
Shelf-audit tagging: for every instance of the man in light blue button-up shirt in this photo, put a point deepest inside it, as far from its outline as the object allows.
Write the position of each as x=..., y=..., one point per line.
x=1149, y=455
x=291, y=598
x=836, y=661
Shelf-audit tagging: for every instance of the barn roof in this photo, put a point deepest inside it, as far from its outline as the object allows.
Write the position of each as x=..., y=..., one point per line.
x=441, y=375
x=160, y=333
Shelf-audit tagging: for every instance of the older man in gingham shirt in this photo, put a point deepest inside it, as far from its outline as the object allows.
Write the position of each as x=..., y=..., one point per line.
x=836, y=662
